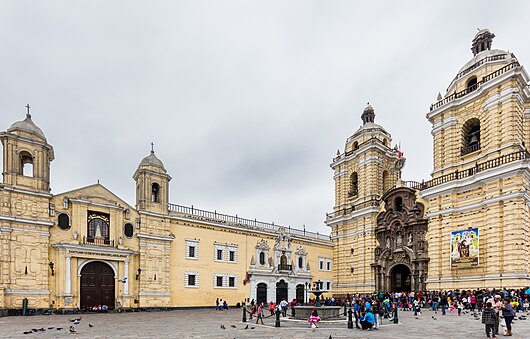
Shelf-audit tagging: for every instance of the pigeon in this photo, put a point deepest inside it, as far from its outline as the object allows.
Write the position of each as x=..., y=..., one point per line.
x=27, y=332
x=42, y=329
x=90, y=325
x=477, y=318
x=75, y=319
x=59, y=328
x=72, y=329
x=76, y=322
x=223, y=327
x=434, y=318
x=330, y=337
x=51, y=328
x=246, y=327
x=234, y=326
x=252, y=328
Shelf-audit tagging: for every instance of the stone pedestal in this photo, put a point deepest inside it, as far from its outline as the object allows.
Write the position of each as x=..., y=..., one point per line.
x=324, y=312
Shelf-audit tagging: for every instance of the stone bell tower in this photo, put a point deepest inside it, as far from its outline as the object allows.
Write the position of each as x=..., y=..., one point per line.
x=26, y=216
x=480, y=179
x=363, y=173
x=152, y=185
x=27, y=156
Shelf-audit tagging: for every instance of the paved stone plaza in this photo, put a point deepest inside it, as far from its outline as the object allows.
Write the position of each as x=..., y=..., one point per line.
x=207, y=323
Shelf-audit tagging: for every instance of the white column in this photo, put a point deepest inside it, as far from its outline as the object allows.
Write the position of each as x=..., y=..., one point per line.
x=126, y=285
x=68, y=282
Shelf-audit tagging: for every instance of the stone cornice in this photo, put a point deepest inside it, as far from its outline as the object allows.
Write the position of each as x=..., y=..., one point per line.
x=24, y=191
x=42, y=223
x=155, y=237
x=372, y=210
x=88, y=202
x=93, y=250
x=455, y=186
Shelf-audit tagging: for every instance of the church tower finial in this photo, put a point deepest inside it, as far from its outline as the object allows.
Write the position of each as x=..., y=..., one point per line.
x=482, y=41
x=368, y=115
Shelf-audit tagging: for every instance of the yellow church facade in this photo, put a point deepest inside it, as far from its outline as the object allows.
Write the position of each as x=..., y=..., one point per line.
x=87, y=247
x=468, y=226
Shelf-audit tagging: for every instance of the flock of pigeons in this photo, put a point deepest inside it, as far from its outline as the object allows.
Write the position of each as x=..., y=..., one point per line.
x=234, y=326
x=476, y=316
x=75, y=321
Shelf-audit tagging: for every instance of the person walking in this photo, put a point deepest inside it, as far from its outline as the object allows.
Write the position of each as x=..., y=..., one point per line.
x=272, y=307
x=444, y=304
x=260, y=313
x=488, y=319
x=283, y=305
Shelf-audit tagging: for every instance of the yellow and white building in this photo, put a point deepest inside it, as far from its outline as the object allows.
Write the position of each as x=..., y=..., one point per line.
x=466, y=227
x=88, y=247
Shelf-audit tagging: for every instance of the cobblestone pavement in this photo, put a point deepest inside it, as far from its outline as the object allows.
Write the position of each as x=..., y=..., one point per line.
x=206, y=324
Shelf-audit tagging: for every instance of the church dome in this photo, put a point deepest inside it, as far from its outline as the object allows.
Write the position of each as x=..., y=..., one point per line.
x=152, y=160
x=27, y=125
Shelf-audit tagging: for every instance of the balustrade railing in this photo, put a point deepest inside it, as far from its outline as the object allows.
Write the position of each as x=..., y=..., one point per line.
x=456, y=175
x=464, y=92
x=285, y=267
x=98, y=241
x=235, y=220
x=470, y=148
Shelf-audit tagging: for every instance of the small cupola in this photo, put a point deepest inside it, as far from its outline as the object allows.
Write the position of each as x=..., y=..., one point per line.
x=368, y=115
x=482, y=41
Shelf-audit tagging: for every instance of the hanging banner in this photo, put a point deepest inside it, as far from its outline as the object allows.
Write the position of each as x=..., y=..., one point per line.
x=464, y=248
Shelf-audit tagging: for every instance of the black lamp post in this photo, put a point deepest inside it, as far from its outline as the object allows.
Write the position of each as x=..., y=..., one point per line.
x=138, y=274
x=306, y=292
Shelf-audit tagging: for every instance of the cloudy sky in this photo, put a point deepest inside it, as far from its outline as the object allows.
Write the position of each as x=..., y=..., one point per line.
x=247, y=102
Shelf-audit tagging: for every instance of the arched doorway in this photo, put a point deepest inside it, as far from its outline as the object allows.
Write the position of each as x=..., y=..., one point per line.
x=97, y=285
x=281, y=290
x=400, y=278
x=261, y=293
x=300, y=291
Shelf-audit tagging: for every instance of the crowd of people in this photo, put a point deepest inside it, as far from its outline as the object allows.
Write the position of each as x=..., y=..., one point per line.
x=493, y=306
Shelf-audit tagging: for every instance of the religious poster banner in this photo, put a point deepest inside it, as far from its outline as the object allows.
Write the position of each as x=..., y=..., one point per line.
x=464, y=248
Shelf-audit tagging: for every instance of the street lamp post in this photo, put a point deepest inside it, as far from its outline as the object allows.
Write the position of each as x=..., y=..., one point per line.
x=306, y=292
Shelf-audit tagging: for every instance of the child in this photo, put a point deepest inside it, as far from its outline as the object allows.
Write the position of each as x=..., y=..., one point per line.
x=452, y=308
x=314, y=319
x=460, y=307
x=488, y=319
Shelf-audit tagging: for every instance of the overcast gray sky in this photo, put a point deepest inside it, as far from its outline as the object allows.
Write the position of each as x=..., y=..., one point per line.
x=247, y=102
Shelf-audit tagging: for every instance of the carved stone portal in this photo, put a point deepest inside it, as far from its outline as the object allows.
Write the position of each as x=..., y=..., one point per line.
x=401, y=257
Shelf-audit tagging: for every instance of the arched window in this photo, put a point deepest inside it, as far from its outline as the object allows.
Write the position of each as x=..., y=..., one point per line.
x=300, y=262
x=155, y=192
x=261, y=258
x=471, y=136
x=354, y=186
x=386, y=181
x=398, y=204
x=26, y=164
x=471, y=84
x=355, y=146
x=98, y=227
